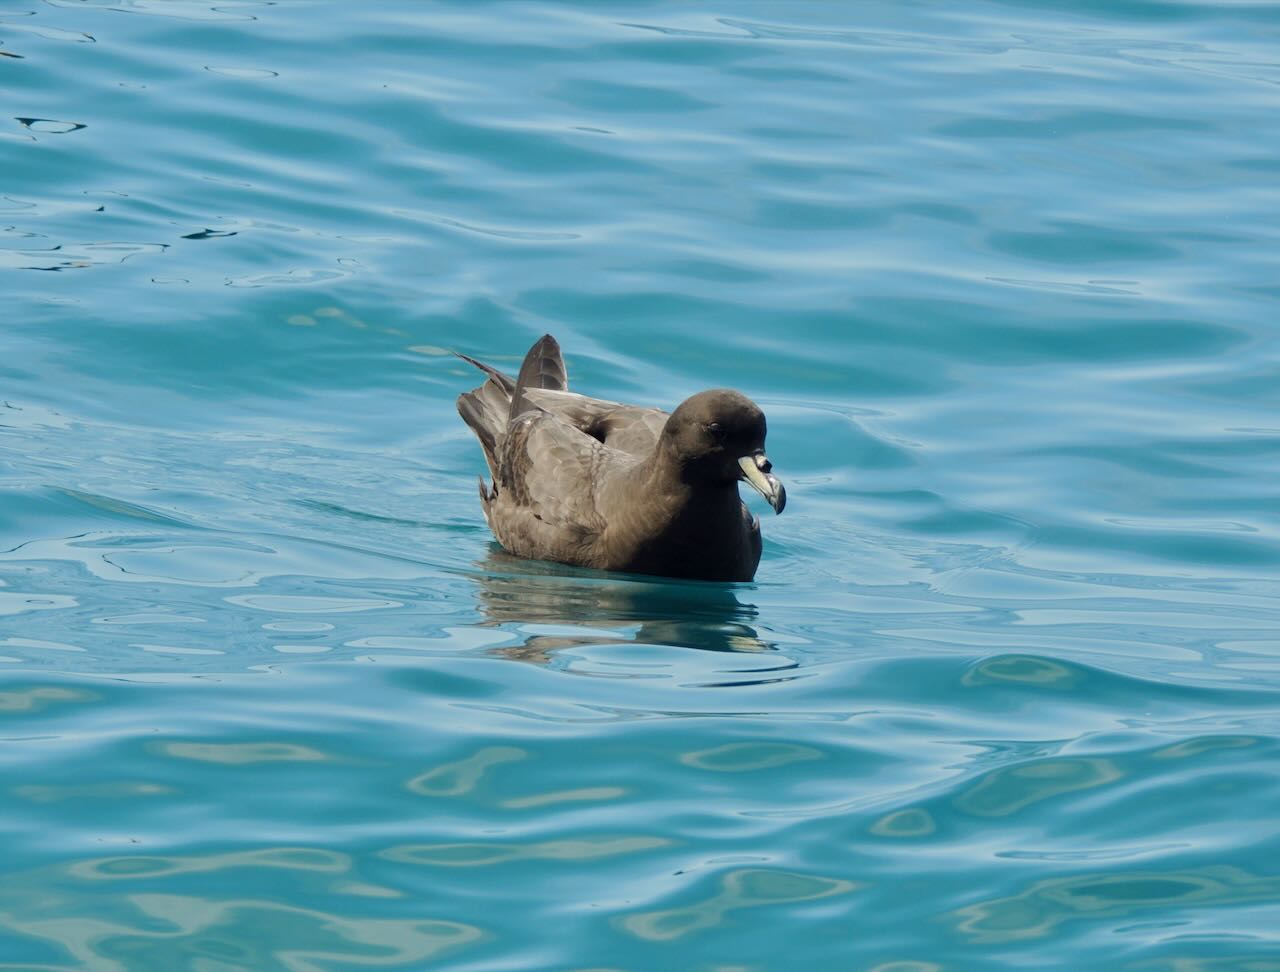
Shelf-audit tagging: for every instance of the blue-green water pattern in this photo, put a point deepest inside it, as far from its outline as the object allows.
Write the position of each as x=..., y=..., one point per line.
x=1006, y=691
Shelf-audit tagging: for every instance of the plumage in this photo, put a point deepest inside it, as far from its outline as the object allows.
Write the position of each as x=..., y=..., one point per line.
x=601, y=484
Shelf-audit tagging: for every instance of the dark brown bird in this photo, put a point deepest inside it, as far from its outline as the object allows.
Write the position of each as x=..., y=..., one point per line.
x=619, y=487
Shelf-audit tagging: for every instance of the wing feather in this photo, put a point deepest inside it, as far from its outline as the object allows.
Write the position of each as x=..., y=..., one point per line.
x=546, y=503
x=627, y=428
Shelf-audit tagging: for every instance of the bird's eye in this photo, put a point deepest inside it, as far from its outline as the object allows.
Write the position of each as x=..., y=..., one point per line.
x=716, y=431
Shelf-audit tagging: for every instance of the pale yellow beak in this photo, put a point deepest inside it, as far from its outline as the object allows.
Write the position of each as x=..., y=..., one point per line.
x=756, y=470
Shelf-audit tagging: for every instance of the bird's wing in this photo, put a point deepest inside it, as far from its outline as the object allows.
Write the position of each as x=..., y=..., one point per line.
x=627, y=428
x=548, y=478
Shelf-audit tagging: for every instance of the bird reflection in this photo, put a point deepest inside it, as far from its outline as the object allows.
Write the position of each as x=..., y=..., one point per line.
x=609, y=609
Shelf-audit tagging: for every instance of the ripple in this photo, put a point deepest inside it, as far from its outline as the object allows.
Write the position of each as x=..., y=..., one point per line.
x=77, y=256
x=1011, y=789
x=503, y=233
x=178, y=649
x=299, y=627
x=193, y=10
x=1104, y=288
x=12, y=602
x=134, y=868
x=291, y=278
x=607, y=96
x=461, y=777
x=584, y=794
x=749, y=888
x=243, y=73
x=208, y=234
x=912, y=822
x=37, y=793
x=150, y=618
x=297, y=604
x=41, y=697
x=239, y=754
x=158, y=928
x=1068, y=124
x=486, y=855
x=1191, y=748
x=1074, y=242
x=50, y=126
x=1042, y=908
x=747, y=757
x=47, y=32
x=40, y=645
x=1027, y=670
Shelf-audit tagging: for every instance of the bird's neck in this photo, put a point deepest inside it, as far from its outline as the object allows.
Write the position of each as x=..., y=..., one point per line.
x=673, y=484
x=681, y=526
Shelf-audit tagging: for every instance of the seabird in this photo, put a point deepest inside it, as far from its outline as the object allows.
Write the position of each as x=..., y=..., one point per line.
x=599, y=484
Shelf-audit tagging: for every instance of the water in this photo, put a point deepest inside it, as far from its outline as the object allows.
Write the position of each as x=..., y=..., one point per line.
x=1005, y=692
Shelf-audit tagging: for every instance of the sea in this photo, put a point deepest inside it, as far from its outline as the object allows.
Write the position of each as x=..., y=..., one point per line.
x=1005, y=691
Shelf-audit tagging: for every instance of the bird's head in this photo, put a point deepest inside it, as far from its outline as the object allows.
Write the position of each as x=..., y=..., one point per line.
x=717, y=437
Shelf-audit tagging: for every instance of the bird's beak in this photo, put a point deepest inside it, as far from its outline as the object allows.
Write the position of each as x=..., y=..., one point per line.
x=757, y=470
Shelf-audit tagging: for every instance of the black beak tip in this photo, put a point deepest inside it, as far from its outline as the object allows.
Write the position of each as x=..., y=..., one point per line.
x=780, y=499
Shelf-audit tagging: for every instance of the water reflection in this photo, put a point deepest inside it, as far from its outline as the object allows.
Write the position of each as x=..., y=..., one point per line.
x=590, y=608
x=156, y=920
x=747, y=888
x=477, y=854
x=456, y=779
x=1011, y=788
x=1041, y=908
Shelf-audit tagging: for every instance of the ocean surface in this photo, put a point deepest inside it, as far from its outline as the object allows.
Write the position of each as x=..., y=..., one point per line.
x=1005, y=693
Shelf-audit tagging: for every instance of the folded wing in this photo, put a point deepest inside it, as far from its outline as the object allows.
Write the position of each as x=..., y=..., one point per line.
x=627, y=428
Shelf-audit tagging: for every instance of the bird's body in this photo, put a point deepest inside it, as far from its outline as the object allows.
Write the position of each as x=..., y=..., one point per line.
x=599, y=484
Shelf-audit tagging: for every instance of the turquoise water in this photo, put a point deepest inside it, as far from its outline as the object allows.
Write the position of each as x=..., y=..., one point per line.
x=1005, y=693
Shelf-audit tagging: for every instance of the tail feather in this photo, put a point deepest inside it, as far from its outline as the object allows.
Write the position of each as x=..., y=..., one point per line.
x=489, y=409
x=487, y=496
x=505, y=382
x=485, y=410
x=486, y=418
x=543, y=367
